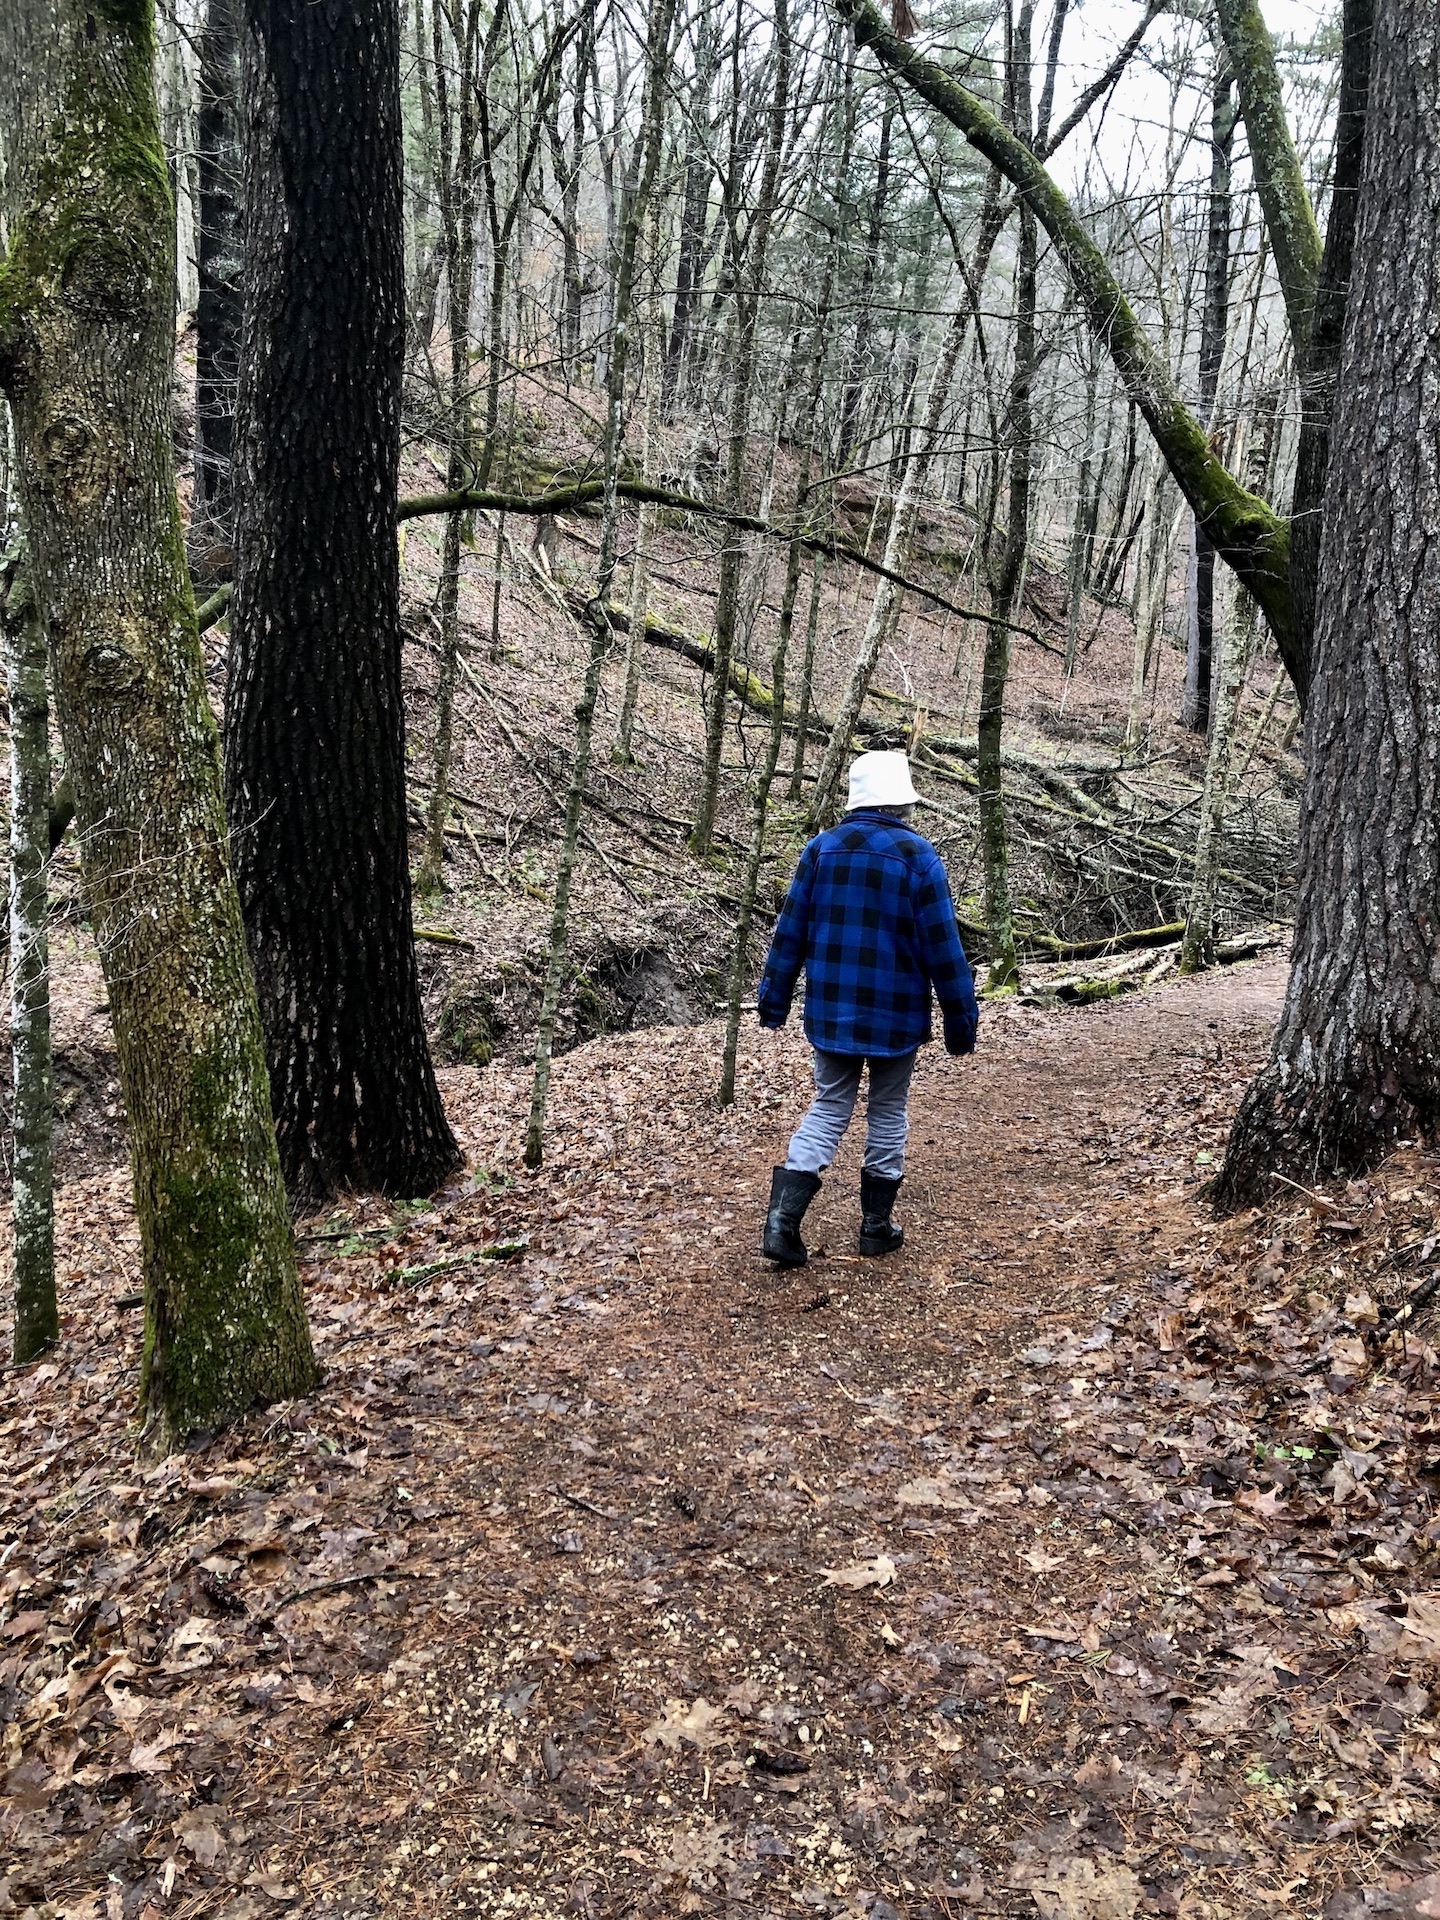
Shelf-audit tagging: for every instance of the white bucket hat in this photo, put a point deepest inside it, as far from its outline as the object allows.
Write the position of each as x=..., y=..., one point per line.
x=881, y=780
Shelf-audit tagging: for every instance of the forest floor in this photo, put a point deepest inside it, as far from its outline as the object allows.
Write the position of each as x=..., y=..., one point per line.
x=1075, y=1562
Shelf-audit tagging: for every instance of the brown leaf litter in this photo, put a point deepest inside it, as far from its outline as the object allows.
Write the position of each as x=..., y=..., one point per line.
x=1078, y=1561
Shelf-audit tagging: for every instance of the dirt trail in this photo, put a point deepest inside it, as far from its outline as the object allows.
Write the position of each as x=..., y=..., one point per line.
x=615, y=1574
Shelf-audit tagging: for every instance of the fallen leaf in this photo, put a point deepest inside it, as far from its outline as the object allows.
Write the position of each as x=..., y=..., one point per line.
x=879, y=1572
x=928, y=1493
x=152, y=1756
x=698, y=1724
x=1268, y=1505
x=1039, y=1561
x=1413, y=1636
x=694, y=1856
x=196, y=1829
x=270, y=1884
x=1084, y=1888
x=23, y=1624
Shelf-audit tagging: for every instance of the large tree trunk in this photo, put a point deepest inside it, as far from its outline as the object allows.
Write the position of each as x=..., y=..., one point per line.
x=86, y=348
x=217, y=308
x=1356, y=1059
x=315, y=723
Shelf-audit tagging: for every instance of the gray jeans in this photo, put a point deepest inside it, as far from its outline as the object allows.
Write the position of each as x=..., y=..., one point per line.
x=837, y=1083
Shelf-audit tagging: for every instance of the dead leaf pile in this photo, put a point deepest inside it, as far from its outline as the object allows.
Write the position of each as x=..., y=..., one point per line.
x=1078, y=1561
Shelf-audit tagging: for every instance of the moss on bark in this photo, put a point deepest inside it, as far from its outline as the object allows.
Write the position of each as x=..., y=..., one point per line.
x=86, y=304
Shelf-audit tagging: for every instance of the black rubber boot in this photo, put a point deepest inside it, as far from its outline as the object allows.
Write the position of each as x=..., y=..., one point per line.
x=790, y=1194
x=878, y=1233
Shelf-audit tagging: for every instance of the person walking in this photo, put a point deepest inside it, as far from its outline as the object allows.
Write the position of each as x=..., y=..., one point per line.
x=870, y=920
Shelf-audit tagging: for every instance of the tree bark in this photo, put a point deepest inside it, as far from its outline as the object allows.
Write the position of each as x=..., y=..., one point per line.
x=859, y=364
x=796, y=791
x=86, y=353
x=1004, y=588
x=455, y=182
x=755, y=852
x=1319, y=365
x=652, y=348
x=1200, y=658
x=217, y=309
x=1356, y=1058
x=32, y=1193
x=899, y=538
x=1083, y=530
x=749, y=293
x=1197, y=946
x=315, y=721
x=1152, y=582
x=694, y=207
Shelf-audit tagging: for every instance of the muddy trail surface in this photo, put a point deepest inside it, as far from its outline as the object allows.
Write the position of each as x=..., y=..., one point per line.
x=1077, y=1561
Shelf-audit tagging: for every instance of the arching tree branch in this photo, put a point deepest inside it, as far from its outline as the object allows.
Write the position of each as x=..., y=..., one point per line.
x=1247, y=533
x=587, y=493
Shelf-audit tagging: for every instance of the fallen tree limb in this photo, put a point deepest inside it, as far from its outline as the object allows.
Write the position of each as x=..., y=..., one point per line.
x=1039, y=770
x=209, y=611
x=1104, y=823
x=442, y=937
x=1138, y=940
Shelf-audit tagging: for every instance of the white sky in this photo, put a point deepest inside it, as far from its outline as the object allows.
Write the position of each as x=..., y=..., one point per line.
x=1141, y=103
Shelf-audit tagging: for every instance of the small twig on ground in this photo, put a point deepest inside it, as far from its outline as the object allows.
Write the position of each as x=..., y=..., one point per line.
x=350, y=1580
x=585, y=1506
x=1326, y=1206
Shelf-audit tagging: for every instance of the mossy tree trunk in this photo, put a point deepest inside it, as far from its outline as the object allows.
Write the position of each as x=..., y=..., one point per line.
x=315, y=722
x=86, y=346
x=1356, y=1058
x=32, y=1192
x=1195, y=710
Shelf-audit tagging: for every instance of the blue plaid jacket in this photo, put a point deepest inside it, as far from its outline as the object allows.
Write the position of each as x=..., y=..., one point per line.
x=870, y=919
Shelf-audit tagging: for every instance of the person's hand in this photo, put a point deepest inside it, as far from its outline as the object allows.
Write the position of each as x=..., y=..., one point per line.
x=959, y=1038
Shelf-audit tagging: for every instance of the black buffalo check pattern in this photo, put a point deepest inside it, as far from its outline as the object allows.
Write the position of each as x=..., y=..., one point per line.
x=870, y=920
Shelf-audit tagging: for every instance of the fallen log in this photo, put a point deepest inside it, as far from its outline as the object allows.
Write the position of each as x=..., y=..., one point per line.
x=1080, y=992
x=1136, y=941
